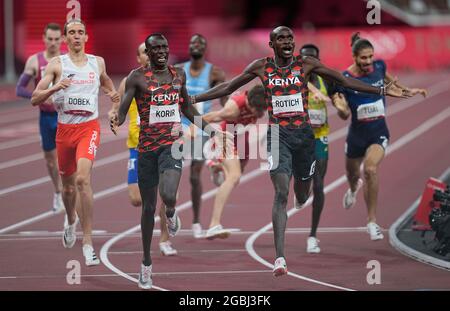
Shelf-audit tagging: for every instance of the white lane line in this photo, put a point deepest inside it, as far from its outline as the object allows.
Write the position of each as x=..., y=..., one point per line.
x=249, y=244
x=105, y=248
x=39, y=156
x=19, y=142
x=257, y=172
x=28, y=221
x=137, y=274
x=39, y=181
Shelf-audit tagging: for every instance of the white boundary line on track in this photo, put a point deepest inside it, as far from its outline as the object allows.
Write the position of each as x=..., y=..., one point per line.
x=99, y=163
x=397, y=107
x=409, y=251
x=105, y=248
x=424, y=127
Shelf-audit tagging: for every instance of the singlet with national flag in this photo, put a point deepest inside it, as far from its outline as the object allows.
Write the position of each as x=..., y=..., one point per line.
x=159, y=111
x=133, y=126
x=42, y=63
x=246, y=116
x=286, y=93
x=317, y=110
x=79, y=102
x=197, y=85
x=368, y=110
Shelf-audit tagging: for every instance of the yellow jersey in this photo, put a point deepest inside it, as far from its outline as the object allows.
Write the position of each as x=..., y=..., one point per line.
x=134, y=125
x=318, y=114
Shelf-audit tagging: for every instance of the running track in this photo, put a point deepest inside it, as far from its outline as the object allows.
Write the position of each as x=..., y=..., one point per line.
x=34, y=259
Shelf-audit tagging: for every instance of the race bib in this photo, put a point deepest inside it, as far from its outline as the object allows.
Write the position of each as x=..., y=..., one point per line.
x=164, y=114
x=80, y=103
x=287, y=104
x=318, y=117
x=371, y=110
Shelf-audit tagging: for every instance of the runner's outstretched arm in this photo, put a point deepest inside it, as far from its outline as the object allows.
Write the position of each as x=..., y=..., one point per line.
x=228, y=87
x=230, y=112
x=313, y=65
x=413, y=91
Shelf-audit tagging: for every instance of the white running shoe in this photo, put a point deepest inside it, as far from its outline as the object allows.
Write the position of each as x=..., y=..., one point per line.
x=145, y=277
x=197, y=231
x=375, y=231
x=217, y=232
x=167, y=249
x=173, y=224
x=69, y=235
x=349, y=199
x=312, y=245
x=216, y=172
x=58, y=204
x=297, y=205
x=90, y=256
x=280, y=267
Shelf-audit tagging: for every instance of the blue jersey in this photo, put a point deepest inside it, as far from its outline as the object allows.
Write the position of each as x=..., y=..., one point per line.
x=368, y=110
x=197, y=85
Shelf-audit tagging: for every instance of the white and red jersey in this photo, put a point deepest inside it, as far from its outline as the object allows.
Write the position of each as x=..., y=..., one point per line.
x=246, y=116
x=79, y=102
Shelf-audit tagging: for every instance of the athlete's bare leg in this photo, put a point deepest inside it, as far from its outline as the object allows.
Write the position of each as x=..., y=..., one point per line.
x=52, y=168
x=134, y=195
x=279, y=215
x=232, y=171
x=196, y=189
x=70, y=197
x=149, y=197
x=352, y=167
x=319, y=196
x=373, y=158
x=83, y=182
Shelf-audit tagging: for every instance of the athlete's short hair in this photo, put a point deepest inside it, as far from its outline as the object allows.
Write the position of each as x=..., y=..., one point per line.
x=73, y=21
x=256, y=97
x=153, y=35
x=310, y=46
x=52, y=26
x=358, y=43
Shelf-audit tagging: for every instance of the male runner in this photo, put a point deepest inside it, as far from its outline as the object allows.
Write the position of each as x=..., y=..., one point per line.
x=241, y=109
x=160, y=93
x=200, y=77
x=285, y=77
x=132, y=143
x=368, y=135
x=77, y=78
x=34, y=69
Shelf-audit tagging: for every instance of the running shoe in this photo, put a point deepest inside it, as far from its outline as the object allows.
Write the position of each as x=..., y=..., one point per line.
x=58, y=204
x=375, y=231
x=312, y=245
x=167, y=249
x=197, y=231
x=279, y=267
x=217, y=232
x=69, y=235
x=145, y=277
x=90, y=256
x=349, y=199
x=173, y=224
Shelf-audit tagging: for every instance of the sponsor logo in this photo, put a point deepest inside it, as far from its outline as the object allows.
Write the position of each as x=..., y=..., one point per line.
x=165, y=97
x=92, y=146
x=91, y=75
x=284, y=82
